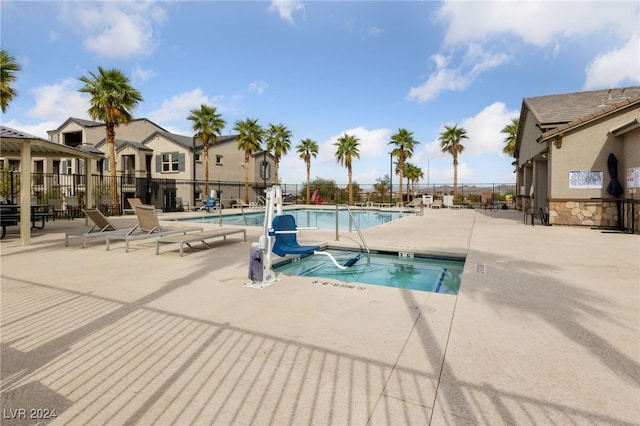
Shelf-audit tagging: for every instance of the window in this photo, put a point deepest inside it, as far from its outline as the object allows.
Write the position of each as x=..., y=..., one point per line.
x=170, y=162
x=198, y=158
x=265, y=170
x=218, y=160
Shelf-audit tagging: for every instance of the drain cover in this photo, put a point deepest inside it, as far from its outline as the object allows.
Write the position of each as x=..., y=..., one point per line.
x=481, y=268
x=423, y=309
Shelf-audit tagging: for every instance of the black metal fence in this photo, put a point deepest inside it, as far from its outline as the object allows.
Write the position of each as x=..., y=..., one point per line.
x=176, y=194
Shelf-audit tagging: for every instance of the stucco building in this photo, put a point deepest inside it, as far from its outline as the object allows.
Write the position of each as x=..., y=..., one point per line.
x=565, y=147
x=161, y=167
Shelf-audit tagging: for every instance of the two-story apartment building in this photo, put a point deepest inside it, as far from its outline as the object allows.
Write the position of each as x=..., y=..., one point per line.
x=163, y=168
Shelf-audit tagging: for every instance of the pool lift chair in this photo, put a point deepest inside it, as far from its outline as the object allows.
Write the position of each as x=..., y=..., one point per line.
x=282, y=228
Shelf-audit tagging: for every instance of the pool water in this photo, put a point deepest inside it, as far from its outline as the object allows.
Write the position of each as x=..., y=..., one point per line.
x=399, y=270
x=312, y=218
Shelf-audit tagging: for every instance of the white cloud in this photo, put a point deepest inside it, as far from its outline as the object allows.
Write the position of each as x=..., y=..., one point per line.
x=474, y=62
x=258, y=87
x=140, y=74
x=286, y=8
x=115, y=29
x=178, y=107
x=539, y=23
x=484, y=130
x=57, y=102
x=372, y=143
x=615, y=67
x=39, y=129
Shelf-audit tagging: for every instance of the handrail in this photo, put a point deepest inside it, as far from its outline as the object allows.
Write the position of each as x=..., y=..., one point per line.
x=353, y=220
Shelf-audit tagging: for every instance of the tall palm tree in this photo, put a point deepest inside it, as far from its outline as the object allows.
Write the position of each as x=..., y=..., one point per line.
x=450, y=140
x=511, y=130
x=112, y=101
x=208, y=125
x=346, y=152
x=413, y=174
x=8, y=70
x=279, y=143
x=404, y=146
x=307, y=149
x=250, y=136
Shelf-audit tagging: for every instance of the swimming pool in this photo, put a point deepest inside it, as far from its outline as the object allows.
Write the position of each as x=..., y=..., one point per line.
x=311, y=218
x=399, y=270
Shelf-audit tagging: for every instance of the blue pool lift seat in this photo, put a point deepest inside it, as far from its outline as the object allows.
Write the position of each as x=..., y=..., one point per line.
x=284, y=229
x=209, y=205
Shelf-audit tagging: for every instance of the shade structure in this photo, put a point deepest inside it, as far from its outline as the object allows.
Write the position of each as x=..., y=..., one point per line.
x=614, y=187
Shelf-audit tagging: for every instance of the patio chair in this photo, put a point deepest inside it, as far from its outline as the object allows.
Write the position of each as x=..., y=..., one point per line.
x=148, y=227
x=101, y=229
x=133, y=202
x=436, y=204
x=73, y=206
x=285, y=230
x=56, y=207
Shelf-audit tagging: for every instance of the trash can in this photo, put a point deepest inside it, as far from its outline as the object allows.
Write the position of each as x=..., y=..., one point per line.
x=255, y=263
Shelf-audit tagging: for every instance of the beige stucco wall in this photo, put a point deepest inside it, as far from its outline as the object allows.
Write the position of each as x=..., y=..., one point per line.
x=587, y=148
x=529, y=148
x=630, y=158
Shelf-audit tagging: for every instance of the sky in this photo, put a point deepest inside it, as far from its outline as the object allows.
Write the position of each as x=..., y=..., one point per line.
x=325, y=69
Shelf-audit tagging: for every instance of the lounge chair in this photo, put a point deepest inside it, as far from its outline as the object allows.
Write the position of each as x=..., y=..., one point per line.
x=148, y=227
x=133, y=202
x=239, y=203
x=285, y=230
x=101, y=229
x=436, y=204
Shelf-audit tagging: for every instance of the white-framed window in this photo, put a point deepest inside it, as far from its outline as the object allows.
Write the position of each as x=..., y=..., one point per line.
x=218, y=160
x=198, y=157
x=170, y=162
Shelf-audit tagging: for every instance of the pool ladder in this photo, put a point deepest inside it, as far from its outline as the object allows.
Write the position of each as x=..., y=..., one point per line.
x=353, y=220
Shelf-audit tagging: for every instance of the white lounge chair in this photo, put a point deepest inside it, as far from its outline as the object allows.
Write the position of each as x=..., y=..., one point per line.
x=101, y=229
x=148, y=227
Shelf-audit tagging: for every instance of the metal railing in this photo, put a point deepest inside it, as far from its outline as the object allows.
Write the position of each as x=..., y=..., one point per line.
x=353, y=220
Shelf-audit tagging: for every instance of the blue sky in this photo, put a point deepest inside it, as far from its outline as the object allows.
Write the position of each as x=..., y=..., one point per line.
x=326, y=68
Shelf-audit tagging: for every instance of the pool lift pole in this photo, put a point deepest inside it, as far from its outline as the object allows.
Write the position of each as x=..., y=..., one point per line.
x=260, y=270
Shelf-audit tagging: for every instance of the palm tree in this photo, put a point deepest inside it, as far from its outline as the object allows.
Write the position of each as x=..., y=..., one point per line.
x=347, y=150
x=307, y=149
x=112, y=101
x=278, y=142
x=450, y=143
x=511, y=130
x=208, y=125
x=8, y=69
x=413, y=174
x=250, y=136
x=404, y=146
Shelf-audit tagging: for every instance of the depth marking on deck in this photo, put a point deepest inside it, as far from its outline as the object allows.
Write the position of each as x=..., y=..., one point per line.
x=340, y=285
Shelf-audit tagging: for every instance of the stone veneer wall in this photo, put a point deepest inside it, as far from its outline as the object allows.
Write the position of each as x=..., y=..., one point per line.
x=587, y=213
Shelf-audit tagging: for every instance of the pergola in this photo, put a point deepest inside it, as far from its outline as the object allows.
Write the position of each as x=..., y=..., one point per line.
x=17, y=144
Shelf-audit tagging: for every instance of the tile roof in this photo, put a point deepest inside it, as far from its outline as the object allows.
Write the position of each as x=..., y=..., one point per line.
x=600, y=112
x=556, y=110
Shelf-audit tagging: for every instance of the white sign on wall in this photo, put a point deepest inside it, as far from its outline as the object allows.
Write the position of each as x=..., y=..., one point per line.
x=590, y=179
x=633, y=177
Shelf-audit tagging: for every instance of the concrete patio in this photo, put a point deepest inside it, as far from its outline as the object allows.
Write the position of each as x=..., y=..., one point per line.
x=545, y=330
